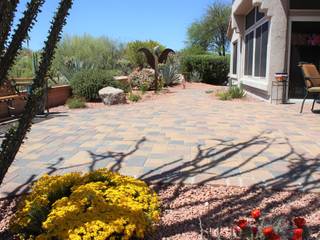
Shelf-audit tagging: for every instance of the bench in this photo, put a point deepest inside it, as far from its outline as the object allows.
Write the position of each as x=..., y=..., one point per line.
x=9, y=92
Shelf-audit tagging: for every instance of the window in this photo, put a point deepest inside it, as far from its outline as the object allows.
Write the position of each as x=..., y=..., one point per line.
x=253, y=16
x=250, y=19
x=249, y=54
x=309, y=4
x=235, y=58
x=261, y=50
x=256, y=44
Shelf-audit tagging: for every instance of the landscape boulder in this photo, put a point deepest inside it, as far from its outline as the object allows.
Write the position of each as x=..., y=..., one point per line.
x=112, y=96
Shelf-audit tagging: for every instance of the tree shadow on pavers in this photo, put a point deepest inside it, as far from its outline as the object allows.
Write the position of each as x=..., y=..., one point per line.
x=57, y=167
x=298, y=178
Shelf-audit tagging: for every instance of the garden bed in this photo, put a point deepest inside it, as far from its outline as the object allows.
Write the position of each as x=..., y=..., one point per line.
x=184, y=206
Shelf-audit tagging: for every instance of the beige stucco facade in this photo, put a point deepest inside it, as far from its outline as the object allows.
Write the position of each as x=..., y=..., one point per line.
x=278, y=14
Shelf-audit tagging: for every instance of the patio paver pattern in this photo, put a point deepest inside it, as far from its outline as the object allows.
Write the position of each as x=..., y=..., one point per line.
x=185, y=136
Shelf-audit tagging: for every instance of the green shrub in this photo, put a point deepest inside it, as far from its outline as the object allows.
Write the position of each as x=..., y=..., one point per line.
x=144, y=88
x=76, y=102
x=135, y=58
x=142, y=78
x=87, y=83
x=170, y=72
x=213, y=69
x=232, y=93
x=236, y=92
x=195, y=76
x=77, y=53
x=224, y=96
x=134, y=97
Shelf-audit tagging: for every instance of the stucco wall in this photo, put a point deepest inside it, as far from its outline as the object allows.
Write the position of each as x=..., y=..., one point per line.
x=277, y=12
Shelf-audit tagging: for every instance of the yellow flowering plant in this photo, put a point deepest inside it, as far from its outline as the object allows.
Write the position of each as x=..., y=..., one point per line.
x=98, y=205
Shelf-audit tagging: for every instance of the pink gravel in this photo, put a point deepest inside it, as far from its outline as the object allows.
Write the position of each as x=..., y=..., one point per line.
x=183, y=206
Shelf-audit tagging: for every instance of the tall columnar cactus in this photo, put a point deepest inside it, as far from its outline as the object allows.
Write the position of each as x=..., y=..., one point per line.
x=9, y=54
x=154, y=58
x=7, y=10
x=15, y=136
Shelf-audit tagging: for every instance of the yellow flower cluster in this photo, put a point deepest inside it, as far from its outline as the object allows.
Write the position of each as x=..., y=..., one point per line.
x=99, y=205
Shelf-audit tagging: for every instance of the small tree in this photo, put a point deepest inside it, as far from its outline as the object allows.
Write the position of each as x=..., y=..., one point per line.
x=210, y=33
x=15, y=136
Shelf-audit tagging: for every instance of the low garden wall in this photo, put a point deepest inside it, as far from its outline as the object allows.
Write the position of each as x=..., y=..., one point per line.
x=56, y=96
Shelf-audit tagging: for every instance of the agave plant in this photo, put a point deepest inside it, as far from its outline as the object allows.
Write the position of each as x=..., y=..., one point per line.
x=154, y=58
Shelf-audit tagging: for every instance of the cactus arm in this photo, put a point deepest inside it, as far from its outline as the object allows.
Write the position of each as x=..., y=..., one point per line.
x=15, y=136
x=21, y=33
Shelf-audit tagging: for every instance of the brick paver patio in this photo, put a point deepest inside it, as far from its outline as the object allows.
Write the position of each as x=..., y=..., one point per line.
x=186, y=136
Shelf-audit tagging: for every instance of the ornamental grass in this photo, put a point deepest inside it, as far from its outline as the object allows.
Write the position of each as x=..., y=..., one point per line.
x=98, y=205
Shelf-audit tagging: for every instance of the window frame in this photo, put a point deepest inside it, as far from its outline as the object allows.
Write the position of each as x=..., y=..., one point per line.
x=235, y=57
x=248, y=31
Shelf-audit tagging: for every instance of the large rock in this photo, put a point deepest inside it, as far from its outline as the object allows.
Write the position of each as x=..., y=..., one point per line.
x=111, y=96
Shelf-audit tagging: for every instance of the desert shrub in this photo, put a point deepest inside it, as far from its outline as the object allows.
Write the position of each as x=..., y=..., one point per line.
x=144, y=77
x=134, y=97
x=213, y=69
x=76, y=102
x=96, y=205
x=87, y=83
x=195, y=76
x=170, y=72
x=224, y=96
x=23, y=65
x=236, y=92
x=135, y=58
x=77, y=53
x=232, y=93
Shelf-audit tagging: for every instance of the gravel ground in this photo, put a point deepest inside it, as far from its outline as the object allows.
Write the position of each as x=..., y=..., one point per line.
x=184, y=206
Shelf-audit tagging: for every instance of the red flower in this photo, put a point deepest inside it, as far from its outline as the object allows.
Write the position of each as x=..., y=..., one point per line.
x=299, y=222
x=297, y=234
x=242, y=223
x=254, y=230
x=274, y=237
x=256, y=213
x=268, y=231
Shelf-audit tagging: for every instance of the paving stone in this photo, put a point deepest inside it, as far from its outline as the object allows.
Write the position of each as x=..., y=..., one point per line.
x=261, y=143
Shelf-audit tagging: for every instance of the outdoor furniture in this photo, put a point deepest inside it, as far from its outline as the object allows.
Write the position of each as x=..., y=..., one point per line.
x=312, y=82
x=8, y=94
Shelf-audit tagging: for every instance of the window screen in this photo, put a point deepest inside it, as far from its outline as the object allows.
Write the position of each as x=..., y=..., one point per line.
x=307, y=4
x=250, y=18
x=249, y=53
x=259, y=15
x=235, y=58
x=261, y=50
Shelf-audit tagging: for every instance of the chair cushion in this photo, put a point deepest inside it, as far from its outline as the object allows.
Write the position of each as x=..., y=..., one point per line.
x=314, y=89
x=311, y=72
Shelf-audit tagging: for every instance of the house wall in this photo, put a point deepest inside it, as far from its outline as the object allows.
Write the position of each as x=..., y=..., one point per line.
x=277, y=13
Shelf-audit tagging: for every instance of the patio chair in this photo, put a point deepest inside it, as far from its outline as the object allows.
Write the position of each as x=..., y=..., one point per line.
x=312, y=82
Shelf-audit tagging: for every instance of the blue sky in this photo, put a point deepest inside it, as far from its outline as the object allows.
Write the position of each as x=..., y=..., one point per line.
x=125, y=20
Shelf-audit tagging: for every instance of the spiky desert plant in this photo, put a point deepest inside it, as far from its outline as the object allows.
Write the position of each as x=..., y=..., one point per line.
x=10, y=53
x=15, y=136
x=153, y=60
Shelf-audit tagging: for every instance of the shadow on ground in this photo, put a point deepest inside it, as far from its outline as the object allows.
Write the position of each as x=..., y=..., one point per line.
x=302, y=175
